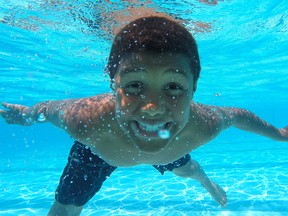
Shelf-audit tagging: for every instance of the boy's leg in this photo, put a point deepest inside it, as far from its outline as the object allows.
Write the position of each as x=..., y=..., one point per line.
x=59, y=209
x=193, y=170
x=81, y=179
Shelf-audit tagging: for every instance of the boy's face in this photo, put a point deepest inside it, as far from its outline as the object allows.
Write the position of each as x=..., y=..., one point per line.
x=153, y=96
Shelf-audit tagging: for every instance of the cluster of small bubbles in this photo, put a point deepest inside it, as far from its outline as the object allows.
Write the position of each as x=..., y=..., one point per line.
x=28, y=120
x=41, y=117
x=26, y=143
x=164, y=134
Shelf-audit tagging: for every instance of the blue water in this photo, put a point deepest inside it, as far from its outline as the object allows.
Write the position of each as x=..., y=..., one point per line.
x=49, y=52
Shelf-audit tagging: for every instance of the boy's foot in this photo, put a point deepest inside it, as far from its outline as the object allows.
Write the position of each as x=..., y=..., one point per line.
x=218, y=194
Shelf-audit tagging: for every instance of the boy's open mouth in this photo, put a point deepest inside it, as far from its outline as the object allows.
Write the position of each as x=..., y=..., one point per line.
x=150, y=130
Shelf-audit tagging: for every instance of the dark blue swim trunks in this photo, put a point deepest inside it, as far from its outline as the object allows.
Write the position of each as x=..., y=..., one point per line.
x=85, y=173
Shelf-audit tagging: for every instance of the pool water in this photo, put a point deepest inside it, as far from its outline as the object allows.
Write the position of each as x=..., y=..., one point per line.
x=54, y=50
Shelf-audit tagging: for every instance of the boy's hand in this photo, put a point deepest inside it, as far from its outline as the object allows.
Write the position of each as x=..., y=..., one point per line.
x=16, y=114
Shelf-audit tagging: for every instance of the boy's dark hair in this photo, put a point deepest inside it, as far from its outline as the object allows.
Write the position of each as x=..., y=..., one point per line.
x=157, y=34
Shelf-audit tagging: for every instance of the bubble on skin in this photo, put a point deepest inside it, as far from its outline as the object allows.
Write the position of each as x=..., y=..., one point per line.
x=164, y=134
x=85, y=177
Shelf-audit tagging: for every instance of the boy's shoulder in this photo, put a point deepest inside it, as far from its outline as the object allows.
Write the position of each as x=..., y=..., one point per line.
x=97, y=101
x=100, y=98
x=206, y=118
x=84, y=116
x=90, y=108
x=203, y=110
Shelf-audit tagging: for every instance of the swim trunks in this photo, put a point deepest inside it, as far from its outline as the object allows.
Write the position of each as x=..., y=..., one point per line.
x=85, y=173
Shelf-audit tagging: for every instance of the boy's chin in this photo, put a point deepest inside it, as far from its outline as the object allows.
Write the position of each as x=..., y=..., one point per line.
x=147, y=145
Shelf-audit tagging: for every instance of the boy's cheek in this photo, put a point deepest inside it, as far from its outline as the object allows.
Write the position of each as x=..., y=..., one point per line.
x=124, y=103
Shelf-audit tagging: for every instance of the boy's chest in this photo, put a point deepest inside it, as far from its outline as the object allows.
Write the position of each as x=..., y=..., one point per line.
x=118, y=150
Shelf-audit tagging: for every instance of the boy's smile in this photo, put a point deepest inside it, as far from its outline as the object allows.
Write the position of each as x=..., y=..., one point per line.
x=153, y=95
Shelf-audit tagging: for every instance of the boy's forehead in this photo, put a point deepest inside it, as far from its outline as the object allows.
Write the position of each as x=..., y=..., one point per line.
x=154, y=59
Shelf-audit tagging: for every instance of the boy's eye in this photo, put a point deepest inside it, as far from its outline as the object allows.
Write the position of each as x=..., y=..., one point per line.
x=174, y=88
x=134, y=87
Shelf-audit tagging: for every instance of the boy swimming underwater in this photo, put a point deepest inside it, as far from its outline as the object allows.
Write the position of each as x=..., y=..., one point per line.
x=149, y=119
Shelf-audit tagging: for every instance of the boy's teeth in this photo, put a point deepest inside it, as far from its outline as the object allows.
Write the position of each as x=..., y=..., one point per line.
x=151, y=128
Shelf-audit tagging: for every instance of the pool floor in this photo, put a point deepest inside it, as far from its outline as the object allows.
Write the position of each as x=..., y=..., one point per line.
x=256, y=184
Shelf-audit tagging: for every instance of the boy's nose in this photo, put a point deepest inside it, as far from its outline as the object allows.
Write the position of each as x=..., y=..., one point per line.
x=152, y=109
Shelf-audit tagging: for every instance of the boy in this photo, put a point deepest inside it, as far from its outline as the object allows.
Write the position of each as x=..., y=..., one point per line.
x=149, y=119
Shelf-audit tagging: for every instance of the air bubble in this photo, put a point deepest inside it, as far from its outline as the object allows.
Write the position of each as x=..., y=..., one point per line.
x=41, y=117
x=164, y=134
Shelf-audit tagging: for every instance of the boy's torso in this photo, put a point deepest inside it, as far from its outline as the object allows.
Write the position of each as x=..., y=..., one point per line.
x=115, y=147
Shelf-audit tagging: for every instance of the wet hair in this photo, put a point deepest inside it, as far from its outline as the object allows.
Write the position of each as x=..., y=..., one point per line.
x=157, y=34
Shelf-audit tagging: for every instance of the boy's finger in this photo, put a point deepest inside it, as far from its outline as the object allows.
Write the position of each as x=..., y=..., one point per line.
x=6, y=105
x=9, y=106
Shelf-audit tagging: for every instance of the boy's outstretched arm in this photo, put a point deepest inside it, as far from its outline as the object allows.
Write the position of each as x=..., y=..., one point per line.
x=75, y=116
x=39, y=113
x=246, y=120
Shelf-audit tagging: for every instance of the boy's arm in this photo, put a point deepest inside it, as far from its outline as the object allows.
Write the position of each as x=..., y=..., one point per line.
x=42, y=112
x=76, y=116
x=248, y=121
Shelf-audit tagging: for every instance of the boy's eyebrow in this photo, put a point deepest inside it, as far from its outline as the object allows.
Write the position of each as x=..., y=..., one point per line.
x=132, y=70
x=177, y=70
x=128, y=70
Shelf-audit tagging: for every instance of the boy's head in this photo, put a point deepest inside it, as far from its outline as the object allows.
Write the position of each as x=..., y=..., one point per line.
x=154, y=34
